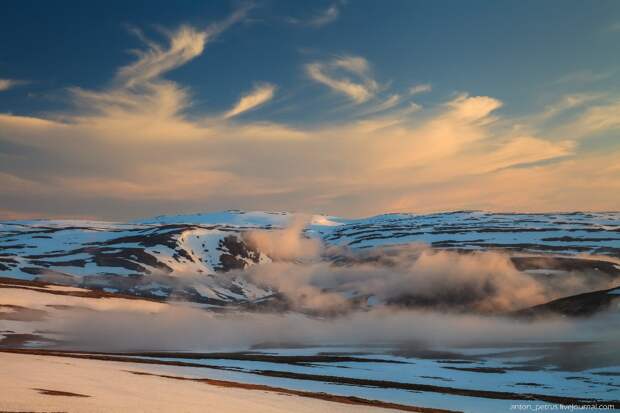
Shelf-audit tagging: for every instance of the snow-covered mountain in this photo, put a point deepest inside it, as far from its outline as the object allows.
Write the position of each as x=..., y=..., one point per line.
x=148, y=257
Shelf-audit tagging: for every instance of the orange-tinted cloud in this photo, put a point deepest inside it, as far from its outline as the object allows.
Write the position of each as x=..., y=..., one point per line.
x=132, y=149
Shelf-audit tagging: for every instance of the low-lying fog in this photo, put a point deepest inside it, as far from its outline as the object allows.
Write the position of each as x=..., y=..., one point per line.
x=181, y=327
x=468, y=292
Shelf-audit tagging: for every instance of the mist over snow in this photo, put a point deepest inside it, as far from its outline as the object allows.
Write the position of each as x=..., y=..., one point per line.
x=236, y=279
x=183, y=327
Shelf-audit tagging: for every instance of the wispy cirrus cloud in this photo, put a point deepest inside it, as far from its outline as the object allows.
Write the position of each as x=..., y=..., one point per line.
x=329, y=15
x=388, y=103
x=568, y=102
x=420, y=88
x=140, y=88
x=383, y=105
x=133, y=149
x=336, y=73
x=185, y=44
x=6, y=84
x=585, y=76
x=598, y=118
x=614, y=27
x=261, y=94
x=322, y=18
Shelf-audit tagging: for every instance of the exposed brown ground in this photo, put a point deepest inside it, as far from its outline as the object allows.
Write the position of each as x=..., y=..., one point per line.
x=11, y=340
x=86, y=293
x=268, y=358
x=49, y=392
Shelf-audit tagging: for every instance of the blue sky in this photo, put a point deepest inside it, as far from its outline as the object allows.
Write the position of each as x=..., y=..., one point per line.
x=366, y=105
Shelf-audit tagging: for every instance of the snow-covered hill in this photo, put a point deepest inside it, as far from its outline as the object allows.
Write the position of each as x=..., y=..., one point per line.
x=146, y=257
x=570, y=233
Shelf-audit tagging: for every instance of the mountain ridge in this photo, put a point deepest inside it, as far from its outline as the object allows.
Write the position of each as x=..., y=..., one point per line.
x=156, y=257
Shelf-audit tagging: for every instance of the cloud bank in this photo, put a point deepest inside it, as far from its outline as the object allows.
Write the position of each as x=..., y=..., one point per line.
x=137, y=147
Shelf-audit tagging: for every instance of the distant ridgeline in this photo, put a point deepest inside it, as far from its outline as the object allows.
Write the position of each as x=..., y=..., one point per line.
x=149, y=258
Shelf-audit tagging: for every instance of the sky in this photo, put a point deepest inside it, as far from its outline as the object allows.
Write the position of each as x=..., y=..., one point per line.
x=119, y=110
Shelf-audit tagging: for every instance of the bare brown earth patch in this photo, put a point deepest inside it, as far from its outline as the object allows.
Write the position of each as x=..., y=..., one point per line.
x=86, y=293
x=492, y=370
x=49, y=392
x=579, y=305
x=268, y=358
x=11, y=340
x=488, y=394
x=607, y=373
